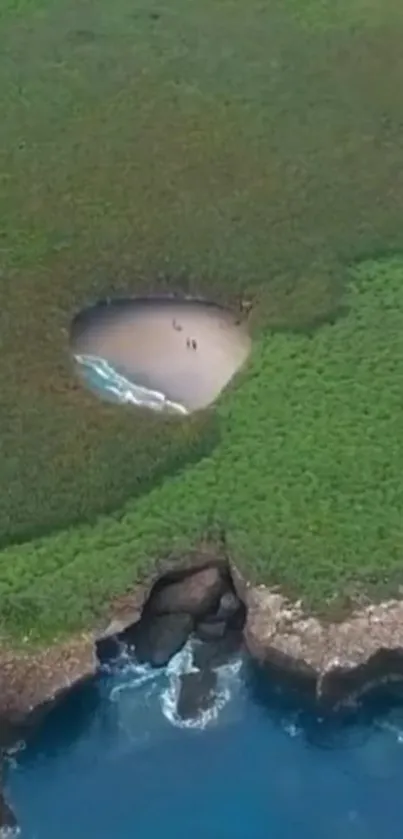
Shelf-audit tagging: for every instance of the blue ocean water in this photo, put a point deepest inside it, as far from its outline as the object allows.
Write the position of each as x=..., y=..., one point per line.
x=115, y=761
x=113, y=385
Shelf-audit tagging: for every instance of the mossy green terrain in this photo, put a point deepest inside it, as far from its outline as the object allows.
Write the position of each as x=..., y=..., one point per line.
x=235, y=151
x=305, y=481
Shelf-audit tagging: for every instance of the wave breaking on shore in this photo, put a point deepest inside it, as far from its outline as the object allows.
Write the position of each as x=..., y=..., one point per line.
x=167, y=684
x=104, y=379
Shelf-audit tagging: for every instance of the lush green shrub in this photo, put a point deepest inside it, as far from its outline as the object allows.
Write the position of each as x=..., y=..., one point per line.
x=254, y=160
x=305, y=479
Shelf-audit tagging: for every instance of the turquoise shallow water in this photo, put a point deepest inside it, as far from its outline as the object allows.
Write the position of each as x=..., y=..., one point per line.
x=108, y=383
x=114, y=761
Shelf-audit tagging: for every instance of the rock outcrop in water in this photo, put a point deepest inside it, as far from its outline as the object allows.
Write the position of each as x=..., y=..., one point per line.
x=202, y=600
x=333, y=663
x=330, y=663
x=197, y=693
x=157, y=638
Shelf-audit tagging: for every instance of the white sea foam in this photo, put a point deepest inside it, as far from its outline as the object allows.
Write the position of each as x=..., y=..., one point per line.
x=105, y=378
x=393, y=728
x=292, y=728
x=165, y=683
x=182, y=664
x=132, y=675
x=15, y=750
x=138, y=676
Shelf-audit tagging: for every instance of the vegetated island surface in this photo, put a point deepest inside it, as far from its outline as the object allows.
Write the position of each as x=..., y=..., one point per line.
x=304, y=479
x=256, y=161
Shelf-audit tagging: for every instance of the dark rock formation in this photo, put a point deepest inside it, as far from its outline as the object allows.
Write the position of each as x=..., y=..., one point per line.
x=197, y=693
x=10, y=732
x=108, y=648
x=229, y=614
x=332, y=662
x=29, y=678
x=33, y=679
x=156, y=638
x=211, y=630
x=335, y=661
x=197, y=594
x=205, y=595
x=231, y=610
x=292, y=675
x=340, y=685
x=211, y=654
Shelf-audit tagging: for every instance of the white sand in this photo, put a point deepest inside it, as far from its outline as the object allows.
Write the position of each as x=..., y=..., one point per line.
x=154, y=343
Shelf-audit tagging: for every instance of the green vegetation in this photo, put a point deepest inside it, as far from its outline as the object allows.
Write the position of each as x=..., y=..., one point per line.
x=305, y=479
x=228, y=149
x=328, y=14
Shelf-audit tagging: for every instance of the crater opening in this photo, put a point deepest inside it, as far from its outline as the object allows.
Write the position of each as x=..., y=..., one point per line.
x=169, y=354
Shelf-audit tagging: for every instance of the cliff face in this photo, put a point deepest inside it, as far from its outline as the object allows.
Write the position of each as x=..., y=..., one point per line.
x=31, y=678
x=334, y=661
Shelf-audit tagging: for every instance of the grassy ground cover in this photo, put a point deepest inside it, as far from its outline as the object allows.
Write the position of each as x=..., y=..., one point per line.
x=227, y=149
x=305, y=480
x=241, y=149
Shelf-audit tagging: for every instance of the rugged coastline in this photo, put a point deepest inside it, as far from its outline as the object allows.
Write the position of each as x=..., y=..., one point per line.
x=269, y=185
x=336, y=661
x=333, y=663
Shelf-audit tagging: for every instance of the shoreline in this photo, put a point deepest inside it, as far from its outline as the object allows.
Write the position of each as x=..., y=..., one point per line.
x=332, y=665
x=336, y=661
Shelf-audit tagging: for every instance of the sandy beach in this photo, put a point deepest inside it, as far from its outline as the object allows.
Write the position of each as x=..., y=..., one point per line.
x=187, y=350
